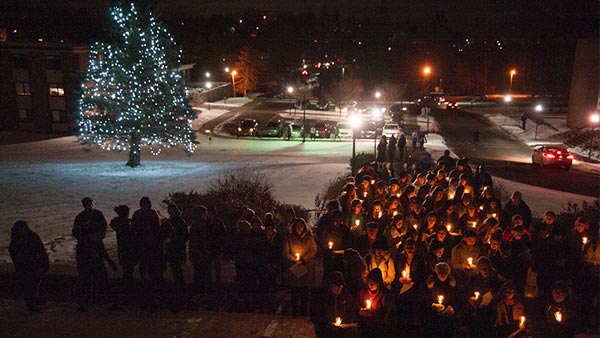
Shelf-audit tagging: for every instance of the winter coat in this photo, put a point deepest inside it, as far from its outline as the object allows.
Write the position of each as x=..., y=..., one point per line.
x=305, y=245
x=127, y=251
x=145, y=224
x=382, y=319
x=385, y=264
x=326, y=306
x=381, y=152
x=28, y=253
x=89, y=227
x=175, y=231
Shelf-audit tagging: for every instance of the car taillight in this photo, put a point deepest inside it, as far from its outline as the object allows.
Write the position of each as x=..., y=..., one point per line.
x=549, y=155
x=570, y=157
x=558, y=152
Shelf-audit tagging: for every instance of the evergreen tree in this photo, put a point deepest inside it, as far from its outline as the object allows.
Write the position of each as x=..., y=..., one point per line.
x=132, y=94
x=247, y=74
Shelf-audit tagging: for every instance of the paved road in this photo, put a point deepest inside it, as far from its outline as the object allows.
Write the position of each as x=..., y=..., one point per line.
x=507, y=157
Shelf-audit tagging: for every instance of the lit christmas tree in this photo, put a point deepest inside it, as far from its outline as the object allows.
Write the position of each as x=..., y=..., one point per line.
x=132, y=94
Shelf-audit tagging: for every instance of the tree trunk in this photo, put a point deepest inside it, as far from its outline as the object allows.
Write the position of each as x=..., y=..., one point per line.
x=134, y=152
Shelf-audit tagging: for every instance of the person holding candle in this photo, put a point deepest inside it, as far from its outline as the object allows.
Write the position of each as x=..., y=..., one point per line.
x=335, y=238
x=447, y=239
x=481, y=289
x=300, y=249
x=435, y=200
x=365, y=189
x=579, y=235
x=562, y=314
x=393, y=188
x=516, y=205
x=407, y=287
x=380, y=193
x=375, y=214
x=408, y=193
x=509, y=310
x=470, y=219
x=440, y=316
x=378, y=321
x=435, y=255
x=553, y=260
x=461, y=253
x=356, y=220
x=331, y=302
x=519, y=251
x=347, y=195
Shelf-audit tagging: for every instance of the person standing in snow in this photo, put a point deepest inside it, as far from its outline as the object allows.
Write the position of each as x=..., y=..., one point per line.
x=30, y=261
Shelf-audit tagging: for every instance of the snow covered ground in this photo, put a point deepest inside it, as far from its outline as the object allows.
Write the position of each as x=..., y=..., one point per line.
x=43, y=182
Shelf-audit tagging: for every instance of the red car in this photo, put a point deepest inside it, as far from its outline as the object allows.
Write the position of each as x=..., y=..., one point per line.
x=552, y=155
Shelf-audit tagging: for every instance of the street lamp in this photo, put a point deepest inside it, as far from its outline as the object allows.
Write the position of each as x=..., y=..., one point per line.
x=208, y=87
x=233, y=74
x=377, y=116
x=354, y=124
x=290, y=90
x=512, y=73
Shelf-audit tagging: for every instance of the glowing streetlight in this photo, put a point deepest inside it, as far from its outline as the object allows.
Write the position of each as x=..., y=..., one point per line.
x=595, y=118
x=513, y=72
x=377, y=95
x=426, y=70
x=233, y=74
x=207, y=75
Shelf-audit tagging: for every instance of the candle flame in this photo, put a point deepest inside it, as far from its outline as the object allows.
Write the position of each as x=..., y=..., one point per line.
x=448, y=227
x=330, y=244
x=338, y=321
x=470, y=260
x=440, y=299
x=357, y=222
x=522, y=322
x=584, y=240
x=558, y=316
x=297, y=256
x=476, y=295
x=369, y=302
x=415, y=226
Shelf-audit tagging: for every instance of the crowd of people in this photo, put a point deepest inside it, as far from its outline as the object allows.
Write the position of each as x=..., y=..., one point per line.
x=414, y=252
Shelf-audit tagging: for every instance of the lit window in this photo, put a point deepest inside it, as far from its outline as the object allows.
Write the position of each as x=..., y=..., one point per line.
x=56, y=89
x=22, y=88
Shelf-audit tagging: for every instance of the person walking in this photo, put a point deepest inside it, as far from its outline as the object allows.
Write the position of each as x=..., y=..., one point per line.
x=175, y=232
x=401, y=148
x=30, y=261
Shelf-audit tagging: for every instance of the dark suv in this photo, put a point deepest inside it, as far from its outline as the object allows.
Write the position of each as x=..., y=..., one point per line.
x=248, y=127
x=273, y=128
x=547, y=155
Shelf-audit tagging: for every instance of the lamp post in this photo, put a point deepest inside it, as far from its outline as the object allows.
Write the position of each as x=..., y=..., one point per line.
x=595, y=119
x=208, y=87
x=290, y=90
x=304, y=112
x=512, y=73
x=377, y=114
x=354, y=122
x=233, y=74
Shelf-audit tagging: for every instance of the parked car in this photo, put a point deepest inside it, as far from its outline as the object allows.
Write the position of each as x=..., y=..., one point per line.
x=344, y=130
x=273, y=128
x=390, y=129
x=451, y=105
x=322, y=129
x=248, y=127
x=368, y=130
x=297, y=130
x=552, y=155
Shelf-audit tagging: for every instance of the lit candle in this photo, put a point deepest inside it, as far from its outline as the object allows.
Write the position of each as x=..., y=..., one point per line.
x=369, y=304
x=372, y=181
x=474, y=224
x=379, y=214
x=365, y=194
x=338, y=321
x=584, y=240
x=470, y=261
x=449, y=227
x=297, y=256
x=558, y=316
x=481, y=207
x=403, y=273
x=494, y=215
x=440, y=299
x=330, y=244
x=357, y=222
x=398, y=195
x=476, y=295
x=522, y=322
x=395, y=213
x=415, y=226
x=451, y=196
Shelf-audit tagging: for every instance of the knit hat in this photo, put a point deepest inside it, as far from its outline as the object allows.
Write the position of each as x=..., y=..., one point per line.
x=442, y=267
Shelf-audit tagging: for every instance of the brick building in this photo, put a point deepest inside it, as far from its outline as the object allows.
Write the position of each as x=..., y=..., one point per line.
x=39, y=84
